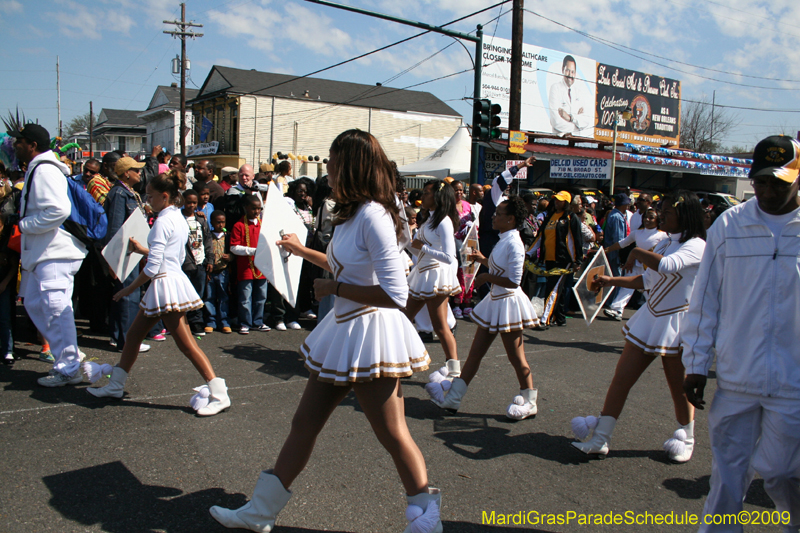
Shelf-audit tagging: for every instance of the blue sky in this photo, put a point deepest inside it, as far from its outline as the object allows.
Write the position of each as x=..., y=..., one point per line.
x=113, y=52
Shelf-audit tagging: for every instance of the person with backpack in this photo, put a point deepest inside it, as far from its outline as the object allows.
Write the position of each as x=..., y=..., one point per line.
x=50, y=254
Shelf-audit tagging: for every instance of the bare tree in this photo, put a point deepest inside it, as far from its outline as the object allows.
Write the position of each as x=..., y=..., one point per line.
x=702, y=125
x=78, y=124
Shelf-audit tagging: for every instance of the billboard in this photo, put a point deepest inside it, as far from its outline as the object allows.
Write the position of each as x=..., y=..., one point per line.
x=558, y=89
x=567, y=94
x=655, y=104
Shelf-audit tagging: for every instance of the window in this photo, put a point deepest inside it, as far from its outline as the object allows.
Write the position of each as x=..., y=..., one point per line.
x=234, y=127
x=121, y=143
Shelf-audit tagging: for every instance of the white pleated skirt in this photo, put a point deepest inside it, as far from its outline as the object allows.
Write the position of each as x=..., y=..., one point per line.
x=655, y=335
x=511, y=311
x=168, y=293
x=356, y=343
x=433, y=278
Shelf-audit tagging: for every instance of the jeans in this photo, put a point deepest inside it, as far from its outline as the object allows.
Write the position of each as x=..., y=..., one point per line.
x=325, y=307
x=122, y=313
x=7, y=309
x=252, y=296
x=216, y=300
x=197, y=278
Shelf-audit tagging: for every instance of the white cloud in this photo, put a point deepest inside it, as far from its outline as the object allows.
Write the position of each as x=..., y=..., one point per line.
x=10, y=6
x=76, y=20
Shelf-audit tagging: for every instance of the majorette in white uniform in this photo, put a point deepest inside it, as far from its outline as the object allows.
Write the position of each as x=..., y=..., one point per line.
x=504, y=310
x=358, y=342
x=170, y=290
x=436, y=271
x=656, y=327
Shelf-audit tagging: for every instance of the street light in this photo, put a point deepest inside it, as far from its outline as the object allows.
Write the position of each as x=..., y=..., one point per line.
x=626, y=114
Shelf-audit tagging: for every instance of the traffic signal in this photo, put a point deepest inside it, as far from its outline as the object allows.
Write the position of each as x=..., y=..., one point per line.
x=494, y=121
x=480, y=119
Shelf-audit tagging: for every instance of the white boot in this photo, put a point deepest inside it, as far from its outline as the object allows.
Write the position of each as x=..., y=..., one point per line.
x=259, y=514
x=218, y=399
x=524, y=405
x=452, y=400
x=115, y=387
x=423, y=511
x=453, y=368
x=681, y=445
x=598, y=444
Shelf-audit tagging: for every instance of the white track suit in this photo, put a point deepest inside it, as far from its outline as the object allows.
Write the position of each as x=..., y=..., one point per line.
x=745, y=305
x=51, y=256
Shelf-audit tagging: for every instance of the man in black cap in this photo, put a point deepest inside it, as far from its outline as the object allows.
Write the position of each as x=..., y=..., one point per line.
x=744, y=308
x=50, y=255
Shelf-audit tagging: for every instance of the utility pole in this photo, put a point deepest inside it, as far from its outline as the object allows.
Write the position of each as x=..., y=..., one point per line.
x=91, y=131
x=713, y=104
x=515, y=98
x=58, y=90
x=182, y=34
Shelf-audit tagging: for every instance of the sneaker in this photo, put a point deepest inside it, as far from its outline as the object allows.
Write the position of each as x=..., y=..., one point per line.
x=263, y=327
x=200, y=332
x=209, y=330
x=9, y=359
x=158, y=338
x=467, y=311
x=280, y=326
x=458, y=313
x=47, y=357
x=308, y=314
x=610, y=313
x=244, y=330
x=294, y=325
x=226, y=330
x=112, y=343
x=144, y=348
x=57, y=379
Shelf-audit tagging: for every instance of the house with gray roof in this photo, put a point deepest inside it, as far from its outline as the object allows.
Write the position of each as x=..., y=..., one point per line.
x=163, y=116
x=247, y=116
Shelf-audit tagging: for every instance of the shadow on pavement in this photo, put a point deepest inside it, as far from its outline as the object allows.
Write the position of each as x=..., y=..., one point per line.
x=697, y=489
x=111, y=496
x=592, y=347
x=282, y=364
x=468, y=527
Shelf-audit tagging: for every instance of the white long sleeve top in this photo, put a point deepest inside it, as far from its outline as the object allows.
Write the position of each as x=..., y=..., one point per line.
x=507, y=260
x=671, y=286
x=167, y=243
x=644, y=238
x=363, y=251
x=47, y=207
x=440, y=243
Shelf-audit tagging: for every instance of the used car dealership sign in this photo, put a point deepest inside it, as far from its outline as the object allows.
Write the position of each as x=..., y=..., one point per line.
x=580, y=169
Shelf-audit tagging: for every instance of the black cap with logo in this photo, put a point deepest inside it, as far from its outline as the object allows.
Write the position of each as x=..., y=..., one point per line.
x=779, y=156
x=34, y=133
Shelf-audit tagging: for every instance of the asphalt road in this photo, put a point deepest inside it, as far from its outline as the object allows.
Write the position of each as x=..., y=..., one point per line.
x=72, y=462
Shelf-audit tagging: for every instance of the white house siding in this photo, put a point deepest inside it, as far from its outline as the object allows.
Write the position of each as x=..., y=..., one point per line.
x=406, y=137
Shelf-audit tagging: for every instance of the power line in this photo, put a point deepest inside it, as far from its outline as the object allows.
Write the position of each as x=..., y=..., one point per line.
x=382, y=48
x=622, y=48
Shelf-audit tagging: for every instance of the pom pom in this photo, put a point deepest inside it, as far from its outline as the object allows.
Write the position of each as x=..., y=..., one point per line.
x=435, y=391
x=427, y=521
x=439, y=375
x=675, y=447
x=94, y=371
x=517, y=411
x=582, y=426
x=680, y=434
x=519, y=400
x=413, y=512
x=446, y=384
x=200, y=399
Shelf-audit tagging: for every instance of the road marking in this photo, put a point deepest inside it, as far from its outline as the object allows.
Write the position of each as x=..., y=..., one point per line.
x=144, y=398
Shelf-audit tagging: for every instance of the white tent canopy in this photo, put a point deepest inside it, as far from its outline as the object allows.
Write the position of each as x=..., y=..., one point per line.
x=452, y=159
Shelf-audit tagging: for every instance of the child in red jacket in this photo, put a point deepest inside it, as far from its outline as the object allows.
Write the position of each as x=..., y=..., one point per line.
x=252, y=285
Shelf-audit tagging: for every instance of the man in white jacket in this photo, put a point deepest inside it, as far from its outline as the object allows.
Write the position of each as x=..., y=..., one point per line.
x=745, y=306
x=50, y=255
